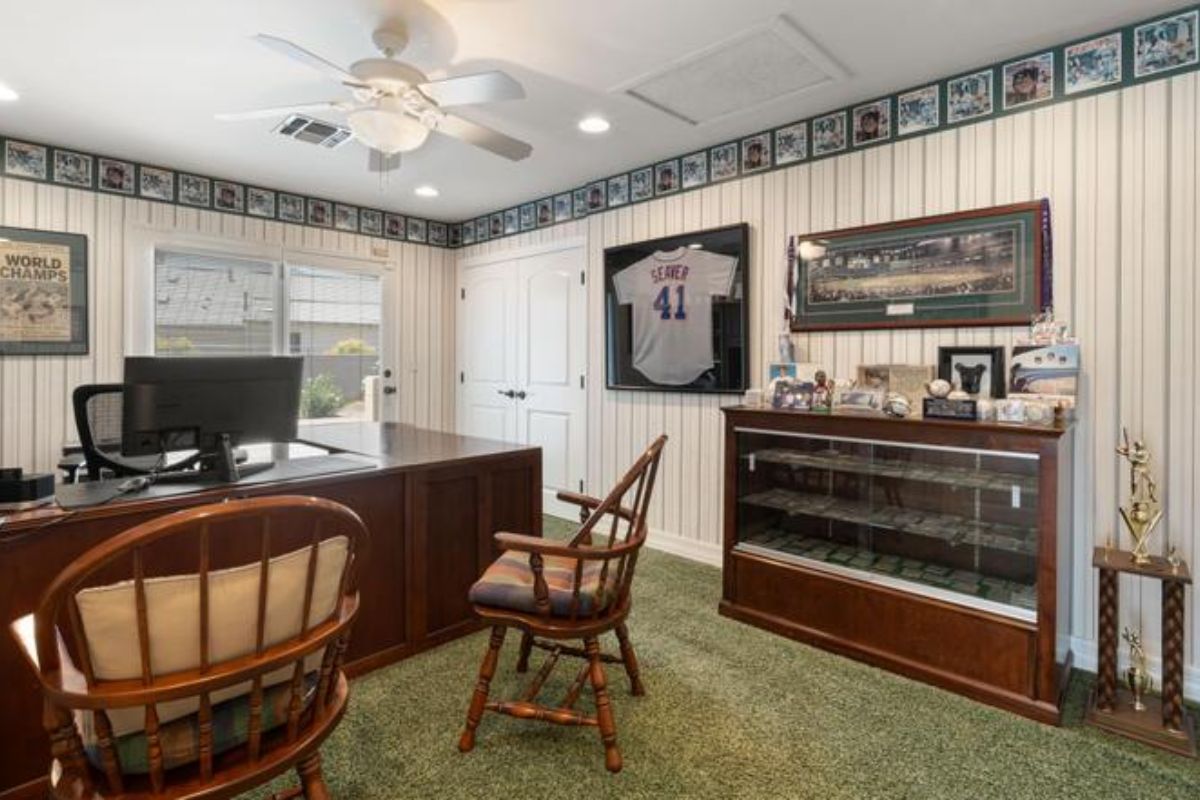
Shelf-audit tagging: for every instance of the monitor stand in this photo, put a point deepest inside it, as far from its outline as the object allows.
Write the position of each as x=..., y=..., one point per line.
x=220, y=464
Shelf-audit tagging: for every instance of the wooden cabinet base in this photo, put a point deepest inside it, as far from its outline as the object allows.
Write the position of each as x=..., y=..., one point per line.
x=1143, y=726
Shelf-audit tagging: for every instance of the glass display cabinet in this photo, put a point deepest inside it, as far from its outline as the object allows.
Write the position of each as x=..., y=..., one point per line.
x=926, y=546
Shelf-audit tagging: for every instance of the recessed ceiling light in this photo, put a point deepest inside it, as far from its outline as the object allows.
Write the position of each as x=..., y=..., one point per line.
x=426, y=191
x=594, y=124
x=7, y=95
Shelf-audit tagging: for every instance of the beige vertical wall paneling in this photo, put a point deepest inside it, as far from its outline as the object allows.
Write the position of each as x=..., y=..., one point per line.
x=35, y=393
x=1121, y=171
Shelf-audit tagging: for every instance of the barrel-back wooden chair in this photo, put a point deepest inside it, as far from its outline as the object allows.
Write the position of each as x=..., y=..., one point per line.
x=557, y=592
x=199, y=654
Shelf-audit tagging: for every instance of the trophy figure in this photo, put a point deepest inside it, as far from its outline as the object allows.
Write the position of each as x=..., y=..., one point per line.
x=1138, y=674
x=1144, y=511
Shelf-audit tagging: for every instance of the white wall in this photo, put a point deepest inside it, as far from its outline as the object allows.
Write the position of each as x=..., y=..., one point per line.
x=35, y=393
x=1120, y=170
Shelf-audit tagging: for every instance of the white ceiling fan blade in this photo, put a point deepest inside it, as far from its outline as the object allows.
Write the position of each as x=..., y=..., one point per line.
x=482, y=136
x=298, y=53
x=482, y=87
x=382, y=162
x=279, y=111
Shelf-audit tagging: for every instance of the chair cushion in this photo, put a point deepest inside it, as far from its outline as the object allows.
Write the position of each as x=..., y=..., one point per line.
x=508, y=583
x=180, y=739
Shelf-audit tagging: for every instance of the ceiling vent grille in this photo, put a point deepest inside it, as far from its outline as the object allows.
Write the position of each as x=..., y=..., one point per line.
x=313, y=131
x=760, y=65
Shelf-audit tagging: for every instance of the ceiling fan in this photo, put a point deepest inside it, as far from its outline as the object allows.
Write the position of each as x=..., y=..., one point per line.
x=394, y=105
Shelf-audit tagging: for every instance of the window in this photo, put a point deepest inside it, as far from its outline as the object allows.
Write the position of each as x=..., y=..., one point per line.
x=218, y=305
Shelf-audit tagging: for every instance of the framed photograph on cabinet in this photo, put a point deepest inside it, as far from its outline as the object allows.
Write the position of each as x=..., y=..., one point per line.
x=676, y=316
x=984, y=267
x=978, y=371
x=43, y=293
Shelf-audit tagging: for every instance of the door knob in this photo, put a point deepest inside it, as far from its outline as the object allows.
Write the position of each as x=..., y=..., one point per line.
x=509, y=393
x=520, y=395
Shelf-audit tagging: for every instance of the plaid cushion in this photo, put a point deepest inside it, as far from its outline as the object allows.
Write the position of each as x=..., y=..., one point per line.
x=180, y=739
x=508, y=583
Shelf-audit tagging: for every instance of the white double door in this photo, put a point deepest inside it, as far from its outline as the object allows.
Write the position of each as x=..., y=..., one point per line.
x=522, y=350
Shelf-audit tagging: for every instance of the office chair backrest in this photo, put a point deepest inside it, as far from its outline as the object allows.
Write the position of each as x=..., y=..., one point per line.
x=98, y=408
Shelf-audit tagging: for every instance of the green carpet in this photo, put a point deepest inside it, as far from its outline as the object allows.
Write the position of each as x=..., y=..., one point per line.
x=731, y=712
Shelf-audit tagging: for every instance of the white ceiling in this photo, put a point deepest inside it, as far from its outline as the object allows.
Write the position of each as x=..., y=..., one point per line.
x=141, y=79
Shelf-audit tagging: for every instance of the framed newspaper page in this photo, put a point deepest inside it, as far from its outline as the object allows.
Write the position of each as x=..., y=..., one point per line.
x=43, y=293
x=676, y=317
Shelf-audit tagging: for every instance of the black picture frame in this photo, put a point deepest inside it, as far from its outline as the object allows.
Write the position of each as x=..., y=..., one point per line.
x=76, y=269
x=730, y=328
x=997, y=377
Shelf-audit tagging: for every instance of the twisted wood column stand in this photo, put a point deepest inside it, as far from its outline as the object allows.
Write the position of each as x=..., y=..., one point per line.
x=1172, y=654
x=1106, y=681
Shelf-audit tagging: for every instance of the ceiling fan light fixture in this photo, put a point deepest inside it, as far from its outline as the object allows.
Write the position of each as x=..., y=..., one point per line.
x=387, y=131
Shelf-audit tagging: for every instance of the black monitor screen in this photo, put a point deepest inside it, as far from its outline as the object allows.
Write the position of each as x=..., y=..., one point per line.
x=189, y=403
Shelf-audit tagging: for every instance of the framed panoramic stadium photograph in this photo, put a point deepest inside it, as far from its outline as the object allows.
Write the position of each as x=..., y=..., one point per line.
x=985, y=267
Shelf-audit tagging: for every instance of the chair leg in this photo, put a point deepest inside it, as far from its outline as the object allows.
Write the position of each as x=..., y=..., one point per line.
x=526, y=649
x=629, y=658
x=312, y=781
x=486, y=670
x=604, y=715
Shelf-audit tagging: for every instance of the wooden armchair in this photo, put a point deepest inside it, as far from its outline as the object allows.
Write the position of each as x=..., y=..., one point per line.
x=560, y=592
x=199, y=654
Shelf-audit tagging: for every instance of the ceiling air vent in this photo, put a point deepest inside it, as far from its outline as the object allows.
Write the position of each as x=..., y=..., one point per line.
x=313, y=131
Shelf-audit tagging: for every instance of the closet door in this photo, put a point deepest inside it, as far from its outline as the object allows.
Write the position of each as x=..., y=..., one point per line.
x=487, y=347
x=551, y=333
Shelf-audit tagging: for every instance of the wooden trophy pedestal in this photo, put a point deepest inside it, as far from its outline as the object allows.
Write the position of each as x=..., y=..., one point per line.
x=1143, y=726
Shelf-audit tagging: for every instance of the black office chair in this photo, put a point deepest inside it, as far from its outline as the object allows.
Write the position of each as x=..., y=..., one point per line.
x=98, y=408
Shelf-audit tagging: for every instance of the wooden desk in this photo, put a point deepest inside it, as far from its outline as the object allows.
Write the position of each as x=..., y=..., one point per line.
x=430, y=500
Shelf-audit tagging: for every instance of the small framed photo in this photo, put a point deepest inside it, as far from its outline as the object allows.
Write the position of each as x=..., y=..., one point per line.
x=857, y=400
x=723, y=161
x=496, y=225
x=73, y=169
x=25, y=160
x=1029, y=81
x=194, y=190
x=468, y=232
x=545, y=212
x=562, y=207
x=512, y=221
x=528, y=217
x=229, y=196
x=791, y=144
x=320, y=213
x=618, y=191
x=1092, y=64
x=695, y=169
x=416, y=230
x=872, y=122
x=918, y=110
x=291, y=208
x=345, y=218
x=596, y=196
x=370, y=222
x=756, y=153
x=969, y=96
x=455, y=234
x=829, y=134
x=978, y=371
x=260, y=202
x=393, y=226
x=666, y=177
x=579, y=207
x=156, y=184
x=482, y=226
x=115, y=176
x=1165, y=44
x=641, y=184
x=437, y=234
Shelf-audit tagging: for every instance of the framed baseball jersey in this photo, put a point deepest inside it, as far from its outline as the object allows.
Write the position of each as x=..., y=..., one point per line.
x=675, y=312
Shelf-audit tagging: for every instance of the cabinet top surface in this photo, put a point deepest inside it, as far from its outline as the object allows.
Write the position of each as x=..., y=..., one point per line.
x=878, y=423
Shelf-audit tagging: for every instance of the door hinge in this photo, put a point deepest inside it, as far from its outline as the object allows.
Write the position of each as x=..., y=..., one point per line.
x=462, y=377
x=462, y=294
x=581, y=381
x=582, y=278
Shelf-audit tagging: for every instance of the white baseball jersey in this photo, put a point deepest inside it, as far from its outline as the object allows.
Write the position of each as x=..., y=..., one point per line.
x=671, y=294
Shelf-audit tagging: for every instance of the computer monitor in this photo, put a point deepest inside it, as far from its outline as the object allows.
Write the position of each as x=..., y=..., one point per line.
x=209, y=404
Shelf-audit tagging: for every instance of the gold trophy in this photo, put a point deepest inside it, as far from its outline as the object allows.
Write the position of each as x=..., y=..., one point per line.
x=1138, y=674
x=1144, y=510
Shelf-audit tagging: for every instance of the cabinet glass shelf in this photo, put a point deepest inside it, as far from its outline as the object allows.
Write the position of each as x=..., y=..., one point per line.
x=953, y=523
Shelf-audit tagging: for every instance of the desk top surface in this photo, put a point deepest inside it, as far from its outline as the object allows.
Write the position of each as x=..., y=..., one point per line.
x=323, y=451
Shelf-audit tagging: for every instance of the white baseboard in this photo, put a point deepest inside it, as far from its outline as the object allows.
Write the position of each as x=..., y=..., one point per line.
x=676, y=545
x=1084, y=658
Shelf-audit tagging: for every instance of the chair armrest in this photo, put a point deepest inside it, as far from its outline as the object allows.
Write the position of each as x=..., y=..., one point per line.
x=533, y=544
x=575, y=498
x=68, y=678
